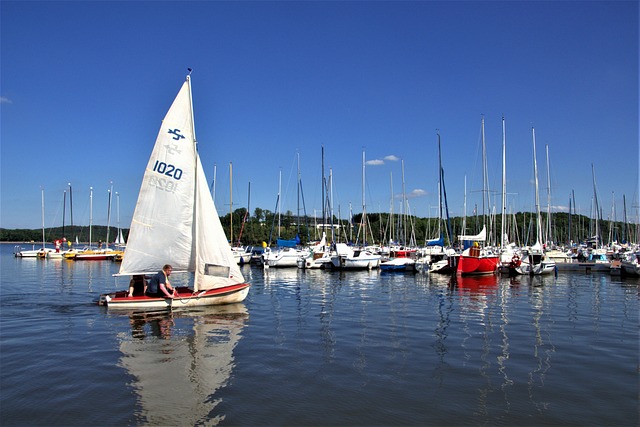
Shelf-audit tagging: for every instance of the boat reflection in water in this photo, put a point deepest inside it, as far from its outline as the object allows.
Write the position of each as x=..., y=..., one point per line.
x=179, y=360
x=475, y=284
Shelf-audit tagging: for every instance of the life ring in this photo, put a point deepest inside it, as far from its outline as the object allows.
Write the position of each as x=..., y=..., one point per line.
x=515, y=261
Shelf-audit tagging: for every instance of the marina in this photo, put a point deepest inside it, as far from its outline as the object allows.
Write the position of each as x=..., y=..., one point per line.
x=320, y=347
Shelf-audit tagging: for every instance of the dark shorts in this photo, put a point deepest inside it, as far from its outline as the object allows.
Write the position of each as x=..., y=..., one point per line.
x=157, y=295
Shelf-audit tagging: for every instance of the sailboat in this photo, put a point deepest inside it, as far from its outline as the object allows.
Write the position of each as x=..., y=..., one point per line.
x=35, y=253
x=534, y=260
x=475, y=259
x=176, y=222
x=349, y=258
x=91, y=253
x=59, y=244
x=287, y=251
x=437, y=259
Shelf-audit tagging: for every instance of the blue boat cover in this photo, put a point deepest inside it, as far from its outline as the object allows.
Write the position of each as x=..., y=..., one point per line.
x=436, y=242
x=288, y=243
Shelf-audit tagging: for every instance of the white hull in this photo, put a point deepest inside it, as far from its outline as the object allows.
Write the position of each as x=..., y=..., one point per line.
x=241, y=256
x=286, y=257
x=545, y=267
x=345, y=263
x=33, y=253
x=347, y=258
x=439, y=266
x=314, y=263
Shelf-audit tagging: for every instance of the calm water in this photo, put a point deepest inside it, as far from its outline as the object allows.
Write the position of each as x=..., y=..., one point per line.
x=320, y=348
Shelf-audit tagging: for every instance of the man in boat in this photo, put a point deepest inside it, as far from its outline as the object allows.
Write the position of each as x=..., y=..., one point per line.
x=159, y=286
x=137, y=285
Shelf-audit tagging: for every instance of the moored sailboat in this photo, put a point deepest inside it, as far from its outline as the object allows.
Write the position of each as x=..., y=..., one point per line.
x=176, y=222
x=534, y=260
x=475, y=259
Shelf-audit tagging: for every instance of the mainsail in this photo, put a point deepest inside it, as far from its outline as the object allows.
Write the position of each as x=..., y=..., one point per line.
x=175, y=220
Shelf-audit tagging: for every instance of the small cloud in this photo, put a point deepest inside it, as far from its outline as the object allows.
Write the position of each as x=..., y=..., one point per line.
x=391, y=158
x=374, y=162
x=5, y=100
x=560, y=208
x=418, y=192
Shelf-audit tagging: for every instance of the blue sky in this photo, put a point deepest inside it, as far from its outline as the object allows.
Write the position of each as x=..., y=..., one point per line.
x=84, y=86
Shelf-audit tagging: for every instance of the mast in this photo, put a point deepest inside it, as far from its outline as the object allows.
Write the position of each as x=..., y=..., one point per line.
x=444, y=196
x=575, y=211
x=90, y=213
x=298, y=195
x=213, y=182
x=439, y=186
x=279, y=191
x=364, y=205
x=624, y=218
x=569, y=240
x=391, y=234
x=195, y=230
x=333, y=237
x=109, y=214
x=612, y=222
x=119, y=235
x=64, y=210
x=549, y=236
x=231, y=203
x=504, y=184
x=485, y=175
x=537, y=198
x=43, y=238
x=595, y=201
x=404, y=211
x=464, y=207
x=71, y=205
x=323, y=189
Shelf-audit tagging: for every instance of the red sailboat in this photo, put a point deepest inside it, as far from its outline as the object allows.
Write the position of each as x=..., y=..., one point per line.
x=476, y=260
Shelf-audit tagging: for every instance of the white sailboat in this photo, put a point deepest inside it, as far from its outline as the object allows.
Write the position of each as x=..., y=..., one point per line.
x=35, y=253
x=175, y=222
x=349, y=258
x=534, y=260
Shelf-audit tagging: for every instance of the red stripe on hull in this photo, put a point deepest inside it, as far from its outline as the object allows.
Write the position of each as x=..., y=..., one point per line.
x=185, y=298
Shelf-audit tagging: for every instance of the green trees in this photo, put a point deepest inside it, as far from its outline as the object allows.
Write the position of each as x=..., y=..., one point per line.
x=263, y=225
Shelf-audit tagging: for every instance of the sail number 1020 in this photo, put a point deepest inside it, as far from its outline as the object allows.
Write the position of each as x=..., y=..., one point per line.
x=167, y=169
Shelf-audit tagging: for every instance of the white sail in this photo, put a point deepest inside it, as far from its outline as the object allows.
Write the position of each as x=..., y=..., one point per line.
x=214, y=263
x=175, y=221
x=120, y=239
x=481, y=237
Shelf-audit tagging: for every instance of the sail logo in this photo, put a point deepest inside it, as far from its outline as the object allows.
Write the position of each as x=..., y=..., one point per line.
x=176, y=134
x=172, y=148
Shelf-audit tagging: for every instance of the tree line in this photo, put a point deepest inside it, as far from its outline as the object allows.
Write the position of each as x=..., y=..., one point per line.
x=380, y=228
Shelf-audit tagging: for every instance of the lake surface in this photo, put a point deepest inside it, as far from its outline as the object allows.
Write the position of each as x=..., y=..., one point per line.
x=320, y=348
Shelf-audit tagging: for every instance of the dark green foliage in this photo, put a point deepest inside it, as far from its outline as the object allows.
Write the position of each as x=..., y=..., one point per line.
x=253, y=230
x=98, y=233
